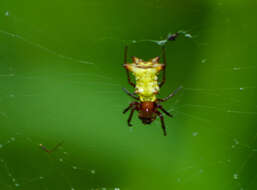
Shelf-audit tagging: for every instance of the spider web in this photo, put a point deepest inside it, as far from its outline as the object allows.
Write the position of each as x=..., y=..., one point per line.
x=211, y=139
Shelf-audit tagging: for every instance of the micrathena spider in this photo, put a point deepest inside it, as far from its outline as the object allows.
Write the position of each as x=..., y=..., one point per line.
x=146, y=89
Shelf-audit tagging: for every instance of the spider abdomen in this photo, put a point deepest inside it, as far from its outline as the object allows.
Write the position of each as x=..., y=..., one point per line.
x=146, y=75
x=146, y=83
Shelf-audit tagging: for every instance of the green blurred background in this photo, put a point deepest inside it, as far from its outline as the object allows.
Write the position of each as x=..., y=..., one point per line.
x=61, y=80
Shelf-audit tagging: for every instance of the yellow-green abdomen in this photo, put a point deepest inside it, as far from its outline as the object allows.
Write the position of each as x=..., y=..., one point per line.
x=146, y=84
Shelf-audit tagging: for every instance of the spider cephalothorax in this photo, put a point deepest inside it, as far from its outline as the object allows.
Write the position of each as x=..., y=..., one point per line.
x=146, y=89
x=147, y=112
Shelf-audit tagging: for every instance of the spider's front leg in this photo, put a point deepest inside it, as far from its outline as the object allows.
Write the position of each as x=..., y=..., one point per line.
x=164, y=69
x=133, y=106
x=125, y=62
x=162, y=122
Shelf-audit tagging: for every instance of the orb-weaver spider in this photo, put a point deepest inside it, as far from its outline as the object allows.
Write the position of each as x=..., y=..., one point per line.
x=146, y=88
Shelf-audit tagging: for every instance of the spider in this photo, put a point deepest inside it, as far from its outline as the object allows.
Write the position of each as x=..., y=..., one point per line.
x=146, y=89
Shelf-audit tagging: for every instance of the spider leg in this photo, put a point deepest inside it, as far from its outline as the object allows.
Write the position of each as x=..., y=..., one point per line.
x=133, y=106
x=130, y=116
x=164, y=69
x=162, y=122
x=171, y=95
x=161, y=108
x=129, y=107
x=130, y=94
x=125, y=54
x=125, y=62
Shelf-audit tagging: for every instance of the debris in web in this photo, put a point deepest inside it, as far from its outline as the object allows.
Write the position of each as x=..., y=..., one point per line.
x=170, y=37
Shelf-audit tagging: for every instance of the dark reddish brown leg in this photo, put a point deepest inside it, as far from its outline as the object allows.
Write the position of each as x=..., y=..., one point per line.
x=125, y=62
x=164, y=69
x=133, y=106
x=171, y=95
x=130, y=94
x=125, y=111
x=130, y=106
x=161, y=108
x=130, y=116
x=162, y=122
